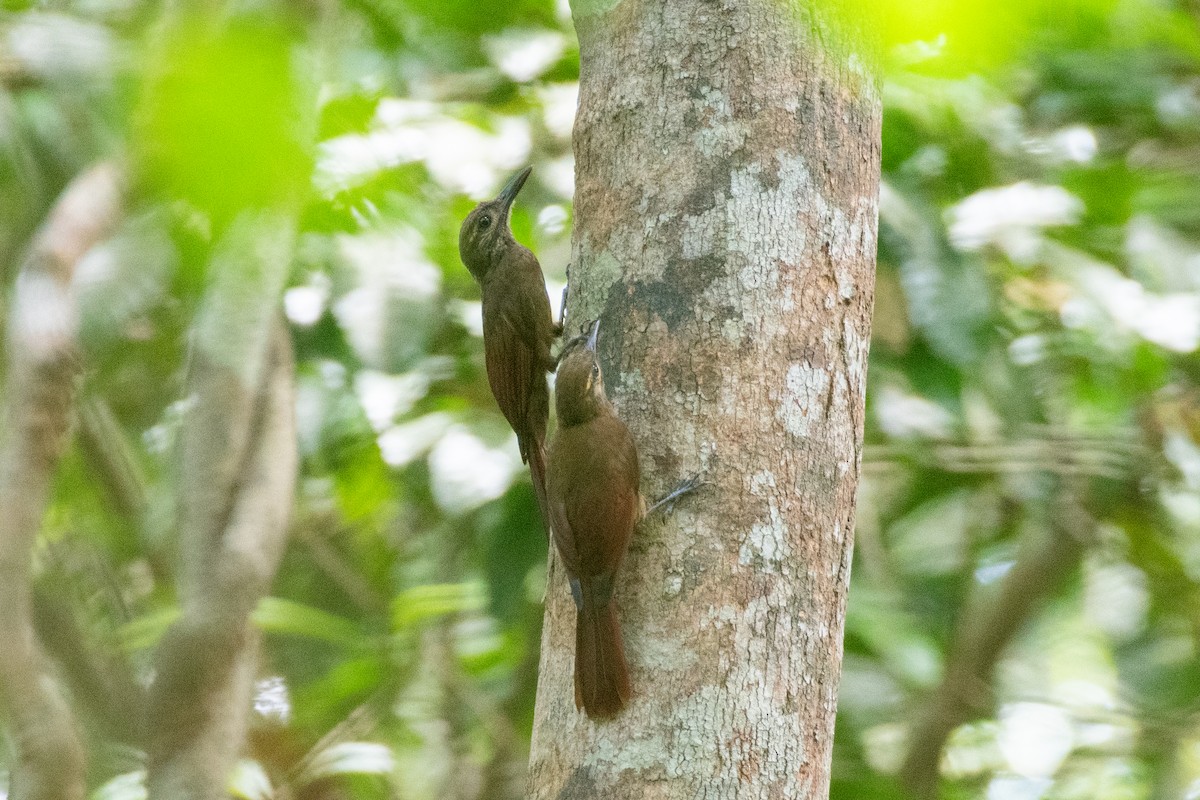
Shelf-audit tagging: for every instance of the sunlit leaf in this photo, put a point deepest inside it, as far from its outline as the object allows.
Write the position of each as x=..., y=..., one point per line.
x=421, y=603
x=349, y=758
x=289, y=618
x=249, y=781
x=129, y=786
x=222, y=120
x=341, y=689
x=145, y=631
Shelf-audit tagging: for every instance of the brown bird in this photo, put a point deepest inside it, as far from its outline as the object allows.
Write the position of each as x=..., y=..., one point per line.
x=517, y=327
x=592, y=489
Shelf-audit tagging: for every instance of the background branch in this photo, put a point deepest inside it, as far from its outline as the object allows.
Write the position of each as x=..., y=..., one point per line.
x=43, y=362
x=984, y=631
x=238, y=468
x=1059, y=452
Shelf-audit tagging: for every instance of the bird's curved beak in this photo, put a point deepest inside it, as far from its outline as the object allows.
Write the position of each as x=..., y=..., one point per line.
x=593, y=335
x=509, y=193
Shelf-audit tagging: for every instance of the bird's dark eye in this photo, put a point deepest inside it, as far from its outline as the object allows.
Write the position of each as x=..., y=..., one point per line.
x=485, y=221
x=595, y=371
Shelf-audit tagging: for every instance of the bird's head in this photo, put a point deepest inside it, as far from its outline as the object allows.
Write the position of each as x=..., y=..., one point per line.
x=579, y=383
x=485, y=234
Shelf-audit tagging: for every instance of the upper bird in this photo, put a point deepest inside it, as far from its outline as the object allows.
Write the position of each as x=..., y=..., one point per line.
x=518, y=328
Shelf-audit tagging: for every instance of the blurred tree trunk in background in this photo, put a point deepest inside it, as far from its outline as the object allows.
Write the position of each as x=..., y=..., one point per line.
x=727, y=172
x=43, y=363
x=238, y=465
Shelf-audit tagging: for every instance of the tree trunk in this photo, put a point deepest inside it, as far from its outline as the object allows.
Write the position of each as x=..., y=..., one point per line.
x=238, y=464
x=727, y=172
x=48, y=759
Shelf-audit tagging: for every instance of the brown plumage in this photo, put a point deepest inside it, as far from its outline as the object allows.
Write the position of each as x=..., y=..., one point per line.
x=517, y=326
x=592, y=490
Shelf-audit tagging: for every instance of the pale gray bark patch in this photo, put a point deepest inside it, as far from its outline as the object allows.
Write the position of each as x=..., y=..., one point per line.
x=727, y=169
x=43, y=360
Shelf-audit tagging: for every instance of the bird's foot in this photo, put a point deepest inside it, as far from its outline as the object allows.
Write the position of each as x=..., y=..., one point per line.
x=685, y=486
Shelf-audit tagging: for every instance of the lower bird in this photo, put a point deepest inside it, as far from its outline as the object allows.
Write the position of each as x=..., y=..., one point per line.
x=594, y=501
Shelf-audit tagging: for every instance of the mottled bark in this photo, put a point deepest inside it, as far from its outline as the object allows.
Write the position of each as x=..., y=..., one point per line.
x=727, y=172
x=237, y=475
x=43, y=360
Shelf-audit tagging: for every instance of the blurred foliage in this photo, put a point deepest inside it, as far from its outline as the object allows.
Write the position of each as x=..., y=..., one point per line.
x=1033, y=373
x=224, y=102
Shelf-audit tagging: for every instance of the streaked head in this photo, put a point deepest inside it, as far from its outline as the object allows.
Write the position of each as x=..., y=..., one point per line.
x=485, y=233
x=579, y=383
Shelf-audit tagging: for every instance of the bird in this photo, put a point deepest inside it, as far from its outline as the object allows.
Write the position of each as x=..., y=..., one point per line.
x=592, y=487
x=518, y=329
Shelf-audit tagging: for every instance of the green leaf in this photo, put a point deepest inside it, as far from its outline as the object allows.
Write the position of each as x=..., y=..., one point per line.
x=249, y=781
x=344, y=687
x=422, y=603
x=289, y=618
x=129, y=786
x=225, y=102
x=144, y=632
x=349, y=758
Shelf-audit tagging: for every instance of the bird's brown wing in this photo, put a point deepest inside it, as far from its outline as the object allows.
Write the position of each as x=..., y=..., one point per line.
x=518, y=331
x=517, y=335
x=594, y=501
x=519, y=385
x=561, y=532
x=530, y=308
x=509, y=368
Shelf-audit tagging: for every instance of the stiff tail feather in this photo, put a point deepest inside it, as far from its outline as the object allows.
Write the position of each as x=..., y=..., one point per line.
x=537, y=471
x=601, y=673
x=533, y=446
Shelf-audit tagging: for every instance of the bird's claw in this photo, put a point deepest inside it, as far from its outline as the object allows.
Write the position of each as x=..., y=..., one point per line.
x=684, y=486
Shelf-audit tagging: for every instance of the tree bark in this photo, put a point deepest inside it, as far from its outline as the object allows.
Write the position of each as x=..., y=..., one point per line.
x=727, y=173
x=238, y=469
x=49, y=759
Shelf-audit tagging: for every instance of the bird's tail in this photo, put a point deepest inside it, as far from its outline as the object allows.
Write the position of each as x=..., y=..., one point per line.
x=601, y=673
x=537, y=471
x=533, y=445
